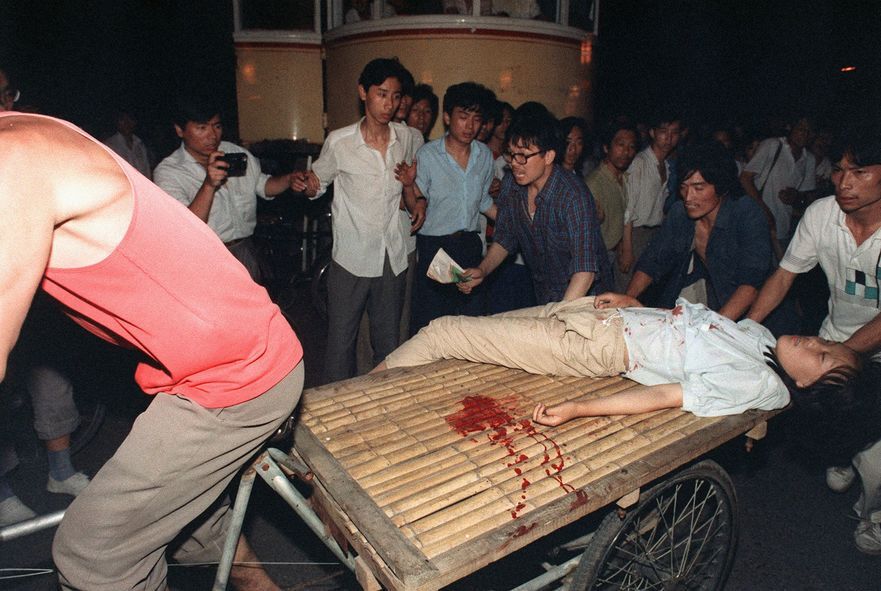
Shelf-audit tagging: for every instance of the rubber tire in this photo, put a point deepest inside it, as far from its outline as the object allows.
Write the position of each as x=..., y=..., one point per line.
x=614, y=530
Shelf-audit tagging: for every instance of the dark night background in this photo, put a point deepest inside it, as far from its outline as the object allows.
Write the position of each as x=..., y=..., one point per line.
x=736, y=60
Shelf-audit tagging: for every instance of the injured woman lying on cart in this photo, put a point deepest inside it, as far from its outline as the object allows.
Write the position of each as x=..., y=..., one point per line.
x=688, y=357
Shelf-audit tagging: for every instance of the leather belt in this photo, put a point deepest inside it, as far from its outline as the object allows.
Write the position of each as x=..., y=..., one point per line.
x=232, y=243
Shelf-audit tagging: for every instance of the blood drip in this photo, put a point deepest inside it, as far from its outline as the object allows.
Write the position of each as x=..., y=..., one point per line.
x=495, y=419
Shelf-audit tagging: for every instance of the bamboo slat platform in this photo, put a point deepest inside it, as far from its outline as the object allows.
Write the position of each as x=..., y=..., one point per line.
x=434, y=472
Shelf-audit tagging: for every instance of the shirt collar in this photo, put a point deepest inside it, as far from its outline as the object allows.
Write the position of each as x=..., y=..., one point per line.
x=189, y=158
x=726, y=212
x=607, y=172
x=551, y=183
x=359, y=140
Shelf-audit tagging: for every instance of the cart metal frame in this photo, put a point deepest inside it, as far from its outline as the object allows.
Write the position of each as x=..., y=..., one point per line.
x=365, y=540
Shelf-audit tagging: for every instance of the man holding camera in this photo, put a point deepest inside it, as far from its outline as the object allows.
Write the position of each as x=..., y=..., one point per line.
x=217, y=180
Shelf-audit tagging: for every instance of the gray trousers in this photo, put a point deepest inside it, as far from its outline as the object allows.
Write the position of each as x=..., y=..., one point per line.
x=348, y=297
x=166, y=476
x=55, y=413
x=245, y=251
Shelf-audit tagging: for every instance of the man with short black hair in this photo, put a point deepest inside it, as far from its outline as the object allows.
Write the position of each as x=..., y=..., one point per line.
x=453, y=175
x=843, y=234
x=125, y=143
x=607, y=184
x=547, y=214
x=369, y=263
x=647, y=190
x=780, y=174
x=712, y=247
x=197, y=175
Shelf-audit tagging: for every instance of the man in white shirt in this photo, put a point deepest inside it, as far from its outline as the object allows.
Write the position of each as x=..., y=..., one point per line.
x=125, y=143
x=843, y=234
x=197, y=175
x=369, y=242
x=647, y=191
x=781, y=172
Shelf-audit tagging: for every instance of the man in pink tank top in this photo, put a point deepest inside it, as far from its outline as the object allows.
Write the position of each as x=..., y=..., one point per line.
x=132, y=265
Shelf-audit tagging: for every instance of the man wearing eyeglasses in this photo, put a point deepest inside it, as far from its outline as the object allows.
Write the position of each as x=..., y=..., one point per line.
x=545, y=213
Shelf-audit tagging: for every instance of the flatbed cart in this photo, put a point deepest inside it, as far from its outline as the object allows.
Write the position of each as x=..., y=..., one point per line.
x=422, y=476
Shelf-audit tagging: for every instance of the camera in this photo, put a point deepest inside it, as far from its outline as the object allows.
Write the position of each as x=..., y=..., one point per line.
x=237, y=161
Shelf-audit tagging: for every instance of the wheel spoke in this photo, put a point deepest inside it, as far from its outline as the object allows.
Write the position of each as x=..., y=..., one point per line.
x=680, y=537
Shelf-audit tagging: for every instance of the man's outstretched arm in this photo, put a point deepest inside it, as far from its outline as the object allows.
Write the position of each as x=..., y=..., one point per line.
x=867, y=339
x=772, y=293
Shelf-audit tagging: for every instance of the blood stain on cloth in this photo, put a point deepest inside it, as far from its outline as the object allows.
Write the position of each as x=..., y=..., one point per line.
x=495, y=419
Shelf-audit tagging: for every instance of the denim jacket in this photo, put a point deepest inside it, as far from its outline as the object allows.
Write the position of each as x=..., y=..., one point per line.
x=738, y=252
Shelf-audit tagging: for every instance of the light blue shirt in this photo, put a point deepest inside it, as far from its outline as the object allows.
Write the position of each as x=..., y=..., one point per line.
x=720, y=363
x=455, y=197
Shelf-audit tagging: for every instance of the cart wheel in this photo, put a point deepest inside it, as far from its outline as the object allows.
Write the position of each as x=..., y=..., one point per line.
x=681, y=536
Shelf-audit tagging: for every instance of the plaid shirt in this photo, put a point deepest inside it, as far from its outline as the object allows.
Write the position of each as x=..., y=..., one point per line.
x=563, y=238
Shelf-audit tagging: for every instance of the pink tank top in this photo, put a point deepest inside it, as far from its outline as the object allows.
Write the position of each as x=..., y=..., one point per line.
x=173, y=290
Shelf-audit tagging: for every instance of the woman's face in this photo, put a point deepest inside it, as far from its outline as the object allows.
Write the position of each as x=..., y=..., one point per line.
x=574, y=148
x=420, y=116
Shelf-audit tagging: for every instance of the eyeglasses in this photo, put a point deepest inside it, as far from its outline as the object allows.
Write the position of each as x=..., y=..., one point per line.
x=520, y=158
x=10, y=94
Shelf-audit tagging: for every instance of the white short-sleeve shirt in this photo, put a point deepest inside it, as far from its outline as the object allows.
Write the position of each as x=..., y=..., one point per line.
x=233, y=213
x=852, y=271
x=786, y=173
x=646, y=191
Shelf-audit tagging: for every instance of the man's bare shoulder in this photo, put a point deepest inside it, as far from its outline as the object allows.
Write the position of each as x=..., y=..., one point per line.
x=53, y=172
x=36, y=145
x=28, y=131
x=21, y=137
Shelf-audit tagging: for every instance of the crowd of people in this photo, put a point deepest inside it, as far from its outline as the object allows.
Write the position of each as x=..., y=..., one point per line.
x=560, y=242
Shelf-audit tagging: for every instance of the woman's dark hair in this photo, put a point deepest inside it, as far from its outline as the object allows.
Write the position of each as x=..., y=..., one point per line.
x=840, y=413
x=493, y=112
x=714, y=163
x=532, y=123
x=567, y=124
x=424, y=92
